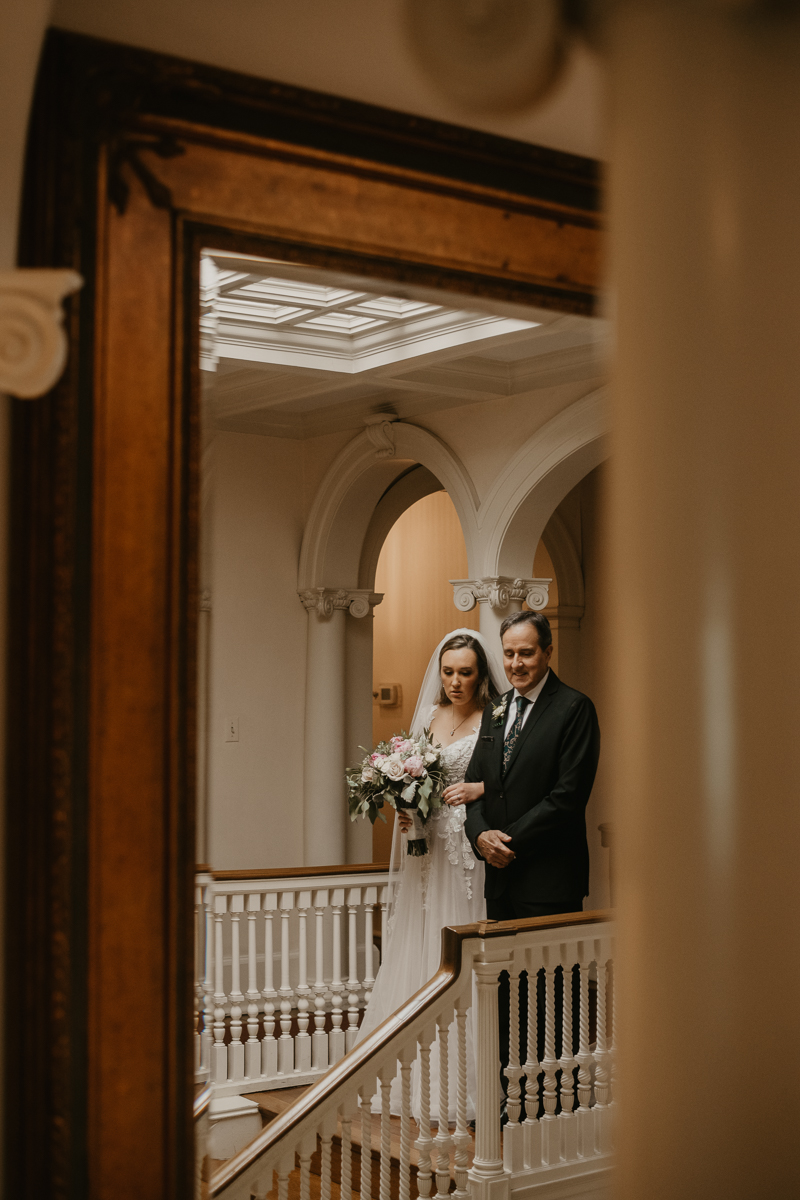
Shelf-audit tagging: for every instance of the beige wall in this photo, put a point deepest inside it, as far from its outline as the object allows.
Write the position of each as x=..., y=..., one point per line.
x=257, y=668
x=424, y=550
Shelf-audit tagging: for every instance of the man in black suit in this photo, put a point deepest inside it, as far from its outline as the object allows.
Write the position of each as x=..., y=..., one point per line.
x=536, y=755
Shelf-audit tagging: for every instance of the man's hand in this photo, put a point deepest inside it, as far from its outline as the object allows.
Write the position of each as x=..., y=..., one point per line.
x=491, y=844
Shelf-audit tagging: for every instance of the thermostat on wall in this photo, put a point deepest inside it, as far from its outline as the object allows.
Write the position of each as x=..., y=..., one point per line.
x=389, y=695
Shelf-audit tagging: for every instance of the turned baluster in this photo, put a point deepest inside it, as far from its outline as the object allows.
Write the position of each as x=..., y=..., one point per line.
x=613, y=1047
x=252, y=1055
x=531, y=1129
x=601, y=1056
x=424, y=1142
x=319, y=1049
x=269, y=1045
x=302, y=1044
x=236, y=1048
x=512, y=1134
x=307, y=1147
x=336, y=1038
x=325, y=1134
x=384, y=905
x=406, y=1057
x=197, y=999
x=285, y=1043
x=353, y=903
x=370, y=900
x=461, y=1139
x=365, y=1181
x=346, y=1166
x=551, y=1149
x=208, y=978
x=443, y=1141
x=220, y=1050
x=385, y=1184
x=283, y=1181
x=569, y=1138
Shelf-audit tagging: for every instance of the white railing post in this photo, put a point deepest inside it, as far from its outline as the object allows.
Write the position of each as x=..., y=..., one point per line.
x=252, y=1056
x=285, y=1042
x=406, y=1057
x=197, y=1006
x=302, y=1043
x=384, y=905
x=365, y=1180
x=487, y=1178
x=236, y=1048
x=269, y=1044
x=319, y=1049
x=353, y=902
x=584, y=1116
x=336, y=1046
x=220, y=1056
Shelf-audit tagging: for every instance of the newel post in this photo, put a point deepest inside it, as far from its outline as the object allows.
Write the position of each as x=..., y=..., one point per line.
x=487, y=1178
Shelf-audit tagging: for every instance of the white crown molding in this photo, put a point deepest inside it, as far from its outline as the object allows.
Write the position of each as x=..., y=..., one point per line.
x=498, y=591
x=324, y=601
x=33, y=345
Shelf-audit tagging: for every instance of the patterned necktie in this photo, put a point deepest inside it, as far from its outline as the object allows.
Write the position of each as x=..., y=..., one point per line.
x=514, y=731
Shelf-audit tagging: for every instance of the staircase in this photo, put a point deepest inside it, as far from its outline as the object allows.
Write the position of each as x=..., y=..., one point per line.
x=313, y=1142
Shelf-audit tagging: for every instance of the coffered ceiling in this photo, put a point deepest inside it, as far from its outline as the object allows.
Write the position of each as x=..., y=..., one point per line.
x=295, y=352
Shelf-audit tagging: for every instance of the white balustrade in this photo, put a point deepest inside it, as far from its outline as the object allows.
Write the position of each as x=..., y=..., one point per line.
x=279, y=930
x=558, y=1135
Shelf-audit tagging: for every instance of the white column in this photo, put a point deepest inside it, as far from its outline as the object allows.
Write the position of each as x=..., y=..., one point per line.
x=358, y=717
x=703, y=178
x=498, y=597
x=325, y=816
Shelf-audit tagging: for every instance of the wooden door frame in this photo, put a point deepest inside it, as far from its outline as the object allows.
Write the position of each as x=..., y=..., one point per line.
x=136, y=160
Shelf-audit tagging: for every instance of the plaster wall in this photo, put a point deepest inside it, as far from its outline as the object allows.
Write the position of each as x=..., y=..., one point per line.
x=257, y=659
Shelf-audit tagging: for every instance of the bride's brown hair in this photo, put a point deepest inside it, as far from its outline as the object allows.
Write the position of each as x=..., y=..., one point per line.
x=484, y=692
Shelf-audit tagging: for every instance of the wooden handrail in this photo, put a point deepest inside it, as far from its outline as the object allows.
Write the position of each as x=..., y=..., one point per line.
x=453, y=938
x=298, y=872
x=201, y=1102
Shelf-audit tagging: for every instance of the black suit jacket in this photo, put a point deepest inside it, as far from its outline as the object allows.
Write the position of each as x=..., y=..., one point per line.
x=541, y=800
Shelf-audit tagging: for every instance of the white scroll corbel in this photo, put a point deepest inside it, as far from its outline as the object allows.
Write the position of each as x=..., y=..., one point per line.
x=33, y=344
x=499, y=595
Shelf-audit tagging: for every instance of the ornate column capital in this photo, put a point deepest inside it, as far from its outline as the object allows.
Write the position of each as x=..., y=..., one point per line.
x=498, y=591
x=33, y=345
x=324, y=601
x=205, y=600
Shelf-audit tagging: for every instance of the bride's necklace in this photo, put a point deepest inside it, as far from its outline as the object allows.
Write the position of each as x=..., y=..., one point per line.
x=458, y=726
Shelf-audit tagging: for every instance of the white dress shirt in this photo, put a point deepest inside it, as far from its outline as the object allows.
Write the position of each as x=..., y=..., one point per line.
x=532, y=696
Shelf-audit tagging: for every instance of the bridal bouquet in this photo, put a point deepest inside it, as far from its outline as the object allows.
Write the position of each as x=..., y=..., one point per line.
x=404, y=772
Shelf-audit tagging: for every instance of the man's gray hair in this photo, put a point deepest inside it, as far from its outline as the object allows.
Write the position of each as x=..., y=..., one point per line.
x=537, y=619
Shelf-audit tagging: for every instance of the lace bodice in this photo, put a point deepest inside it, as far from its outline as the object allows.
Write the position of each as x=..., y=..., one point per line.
x=448, y=821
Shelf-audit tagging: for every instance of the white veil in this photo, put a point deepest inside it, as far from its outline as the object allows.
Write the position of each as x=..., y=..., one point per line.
x=431, y=684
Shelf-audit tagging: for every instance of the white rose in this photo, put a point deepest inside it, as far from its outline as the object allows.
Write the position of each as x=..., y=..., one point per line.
x=430, y=757
x=393, y=769
x=367, y=775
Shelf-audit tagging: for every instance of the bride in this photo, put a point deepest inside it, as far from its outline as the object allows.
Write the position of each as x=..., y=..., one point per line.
x=444, y=886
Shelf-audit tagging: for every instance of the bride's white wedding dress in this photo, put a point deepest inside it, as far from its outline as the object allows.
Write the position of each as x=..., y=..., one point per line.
x=426, y=893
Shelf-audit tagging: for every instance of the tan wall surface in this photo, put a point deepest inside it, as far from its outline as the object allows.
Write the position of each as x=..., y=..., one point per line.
x=424, y=550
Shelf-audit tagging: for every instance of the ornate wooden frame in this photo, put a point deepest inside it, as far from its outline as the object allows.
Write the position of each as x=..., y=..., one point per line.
x=136, y=161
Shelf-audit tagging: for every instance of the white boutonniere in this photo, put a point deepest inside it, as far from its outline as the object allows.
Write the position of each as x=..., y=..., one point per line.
x=499, y=712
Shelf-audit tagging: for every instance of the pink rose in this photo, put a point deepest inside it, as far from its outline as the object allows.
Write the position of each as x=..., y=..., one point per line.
x=414, y=766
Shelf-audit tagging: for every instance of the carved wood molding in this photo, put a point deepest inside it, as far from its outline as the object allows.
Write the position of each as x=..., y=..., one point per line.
x=33, y=344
